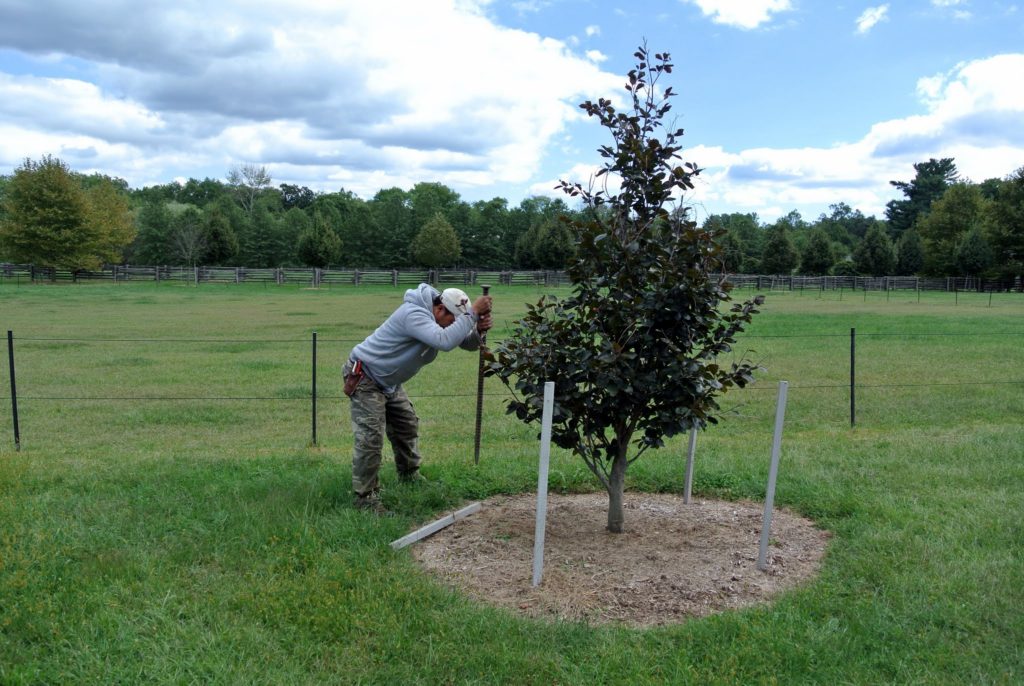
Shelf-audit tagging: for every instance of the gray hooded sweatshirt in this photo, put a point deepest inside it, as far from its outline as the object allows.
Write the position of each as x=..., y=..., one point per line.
x=411, y=337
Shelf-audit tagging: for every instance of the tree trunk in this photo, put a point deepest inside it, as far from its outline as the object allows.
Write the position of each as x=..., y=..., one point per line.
x=616, y=488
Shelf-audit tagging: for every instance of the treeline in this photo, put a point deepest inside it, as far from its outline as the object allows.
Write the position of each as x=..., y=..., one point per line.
x=53, y=216
x=943, y=226
x=246, y=221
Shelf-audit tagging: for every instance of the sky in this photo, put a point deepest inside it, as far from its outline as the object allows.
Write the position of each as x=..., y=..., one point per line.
x=786, y=104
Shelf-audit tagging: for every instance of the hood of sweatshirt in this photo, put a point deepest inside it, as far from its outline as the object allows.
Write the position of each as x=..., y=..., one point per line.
x=423, y=296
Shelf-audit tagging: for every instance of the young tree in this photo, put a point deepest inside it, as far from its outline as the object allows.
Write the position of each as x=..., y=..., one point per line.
x=817, y=257
x=780, y=255
x=874, y=256
x=633, y=351
x=436, y=245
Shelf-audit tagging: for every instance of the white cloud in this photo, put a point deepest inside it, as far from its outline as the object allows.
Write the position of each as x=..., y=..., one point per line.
x=870, y=17
x=593, y=30
x=596, y=56
x=358, y=91
x=961, y=14
x=971, y=114
x=744, y=14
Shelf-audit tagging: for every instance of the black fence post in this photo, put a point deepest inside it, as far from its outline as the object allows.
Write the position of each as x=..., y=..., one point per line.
x=853, y=377
x=314, y=388
x=14, y=390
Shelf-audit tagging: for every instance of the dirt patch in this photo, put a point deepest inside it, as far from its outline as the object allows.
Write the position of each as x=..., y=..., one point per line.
x=674, y=561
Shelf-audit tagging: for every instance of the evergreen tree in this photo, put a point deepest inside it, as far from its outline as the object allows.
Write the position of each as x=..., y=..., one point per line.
x=779, y=256
x=436, y=245
x=930, y=182
x=220, y=239
x=318, y=245
x=909, y=253
x=817, y=257
x=874, y=256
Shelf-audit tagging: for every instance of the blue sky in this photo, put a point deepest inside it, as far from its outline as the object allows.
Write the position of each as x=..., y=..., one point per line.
x=787, y=104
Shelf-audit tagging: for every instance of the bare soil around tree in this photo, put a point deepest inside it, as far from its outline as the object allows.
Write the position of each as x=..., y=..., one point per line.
x=674, y=561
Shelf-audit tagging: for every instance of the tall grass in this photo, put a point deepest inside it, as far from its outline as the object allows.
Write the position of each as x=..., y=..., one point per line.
x=179, y=526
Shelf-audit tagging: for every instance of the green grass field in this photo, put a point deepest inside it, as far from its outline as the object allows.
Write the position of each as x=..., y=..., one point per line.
x=168, y=520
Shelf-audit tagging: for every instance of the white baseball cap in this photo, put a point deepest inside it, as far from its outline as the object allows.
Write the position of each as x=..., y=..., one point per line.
x=455, y=301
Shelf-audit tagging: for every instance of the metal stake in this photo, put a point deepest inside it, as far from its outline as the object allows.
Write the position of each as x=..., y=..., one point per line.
x=480, y=390
x=14, y=390
x=689, y=465
x=773, y=471
x=542, y=482
x=314, y=388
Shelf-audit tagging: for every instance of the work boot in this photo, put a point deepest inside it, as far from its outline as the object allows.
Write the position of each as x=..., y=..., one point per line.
x=369, y=502
x=412, y=478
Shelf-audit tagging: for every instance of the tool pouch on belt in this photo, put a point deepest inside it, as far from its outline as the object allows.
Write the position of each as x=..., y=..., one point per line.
x=353, y=378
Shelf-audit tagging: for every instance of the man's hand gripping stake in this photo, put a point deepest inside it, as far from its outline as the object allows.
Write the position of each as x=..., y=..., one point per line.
x=480, y=391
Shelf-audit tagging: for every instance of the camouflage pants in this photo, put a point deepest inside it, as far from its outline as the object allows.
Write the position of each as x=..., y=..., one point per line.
x=375, y=413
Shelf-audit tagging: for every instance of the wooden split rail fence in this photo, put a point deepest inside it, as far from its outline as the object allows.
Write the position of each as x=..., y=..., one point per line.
x=316, y=277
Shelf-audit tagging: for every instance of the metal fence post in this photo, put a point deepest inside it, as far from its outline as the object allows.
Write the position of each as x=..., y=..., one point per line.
x=14, y=390
x=853, y=376
x=314, y=388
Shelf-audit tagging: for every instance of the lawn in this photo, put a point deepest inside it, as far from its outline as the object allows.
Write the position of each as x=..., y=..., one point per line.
x=168, y=518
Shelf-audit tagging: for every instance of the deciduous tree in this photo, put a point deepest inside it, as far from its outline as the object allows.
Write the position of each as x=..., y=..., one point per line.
x=961, y=209
x=973, y=254
x=436, y=245
x=633, y=352
x=248, y=181
x=49, y=219
x=1007, y=225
